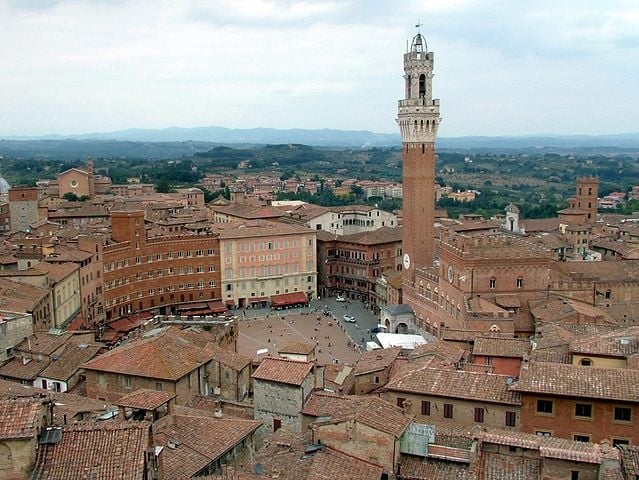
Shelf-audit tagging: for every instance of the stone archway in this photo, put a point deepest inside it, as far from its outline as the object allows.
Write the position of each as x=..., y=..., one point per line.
x=401, y=328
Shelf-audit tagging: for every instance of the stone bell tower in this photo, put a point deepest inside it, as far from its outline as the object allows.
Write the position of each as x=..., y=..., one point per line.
x=418, y=119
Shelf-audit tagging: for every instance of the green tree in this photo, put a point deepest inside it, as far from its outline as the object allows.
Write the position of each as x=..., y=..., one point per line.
x=71, y=197
x=163, y=185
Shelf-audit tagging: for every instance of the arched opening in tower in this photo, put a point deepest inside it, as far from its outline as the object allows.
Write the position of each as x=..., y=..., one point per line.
x=422, y=85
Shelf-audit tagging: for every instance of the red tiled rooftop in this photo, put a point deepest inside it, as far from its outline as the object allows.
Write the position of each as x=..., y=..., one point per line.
x=19, y=418
x=486, y=387
x=578, y=381
x=145, y=399
x=282, y=370
x=165, y=356
x=108, y=450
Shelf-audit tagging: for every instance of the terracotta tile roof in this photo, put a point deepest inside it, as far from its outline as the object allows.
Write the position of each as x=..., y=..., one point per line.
x=628, y=270
x=282, y=370
x=618, y=343
x=145, y=399
x=201, y=440
x=65, y=404
x=17, y=369
x=383, y=416
x=165, y=356
x=43, y=343
x=330, y=405
x=19, y=418
x=508, y=300
x=501, y=347
x=331, y=464
x=258, y=228
x=339, y=377
x=579, y=381
x=630, y=459
x=108, y=450
x=20, y=297
x=70, y=361
x=485, y=387
x=59, y=271
x=231, y=359
x=459, y=335
x=498, y=466
x=376, y=360
x=374, y=237
x=418, y=468
x=440, y=348
x=300, y=348
x=569, y=311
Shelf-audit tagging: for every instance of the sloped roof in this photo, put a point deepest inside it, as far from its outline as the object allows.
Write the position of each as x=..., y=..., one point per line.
x=165, y=356
x=501, y=347
x=202, y=440
x=618, y=343
x=145, y=399
x=283, y=370
x=70, y=361
x=333, y=464
x=107, y=450
x=376, y=360
x=19, y=418
x=486, y=387
x=578, y=381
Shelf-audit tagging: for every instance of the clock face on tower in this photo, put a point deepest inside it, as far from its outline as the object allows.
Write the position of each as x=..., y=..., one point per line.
x=451, y=273
x=406, y=261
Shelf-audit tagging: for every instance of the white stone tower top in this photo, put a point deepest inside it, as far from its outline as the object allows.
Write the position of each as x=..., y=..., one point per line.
x=418, y=116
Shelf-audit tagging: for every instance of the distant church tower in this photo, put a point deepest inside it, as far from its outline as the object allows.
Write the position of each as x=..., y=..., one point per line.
x=418, y=119
x=586, y=196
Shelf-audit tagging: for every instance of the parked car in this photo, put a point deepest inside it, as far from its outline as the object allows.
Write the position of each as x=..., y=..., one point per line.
x=349, y=318
x=339, y=298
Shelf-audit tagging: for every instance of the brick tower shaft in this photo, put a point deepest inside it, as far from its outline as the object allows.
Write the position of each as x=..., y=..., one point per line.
x=418, y=119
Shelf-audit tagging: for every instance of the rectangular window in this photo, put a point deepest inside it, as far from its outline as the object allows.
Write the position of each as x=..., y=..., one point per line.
x=511, y=419
x=400, y=402
x=544, y=406
x=158, y=386
x=620, y=441
x=581, y=438
x=448, y=410
x=574, y=475
x=623, y=414
x=479, y=415
x=492, y=283
x=583, y=410
x=126, y=383
x=425, y=408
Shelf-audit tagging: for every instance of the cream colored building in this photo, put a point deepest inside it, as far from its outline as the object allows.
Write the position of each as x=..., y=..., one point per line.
x=260, y=259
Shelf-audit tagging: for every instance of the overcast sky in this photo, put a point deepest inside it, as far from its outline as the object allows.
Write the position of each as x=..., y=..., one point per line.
x=502, y=67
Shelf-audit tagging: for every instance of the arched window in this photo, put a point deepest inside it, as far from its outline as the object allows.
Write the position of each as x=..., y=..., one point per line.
x=422, y=85
x=492, y=283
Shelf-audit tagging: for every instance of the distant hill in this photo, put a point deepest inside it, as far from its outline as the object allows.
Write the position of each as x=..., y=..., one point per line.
x=222, y=135
x=174, y=142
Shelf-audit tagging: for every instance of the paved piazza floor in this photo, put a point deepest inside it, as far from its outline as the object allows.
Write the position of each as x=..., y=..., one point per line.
x=335, y=339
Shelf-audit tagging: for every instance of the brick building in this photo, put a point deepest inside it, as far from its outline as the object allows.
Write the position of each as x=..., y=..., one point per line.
x=165, y=362
x=159, y=273
x=449, y=395
x=351, y=264
x=588, y=404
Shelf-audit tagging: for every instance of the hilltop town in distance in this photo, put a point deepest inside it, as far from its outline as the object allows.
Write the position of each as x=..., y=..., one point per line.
x=279, y=310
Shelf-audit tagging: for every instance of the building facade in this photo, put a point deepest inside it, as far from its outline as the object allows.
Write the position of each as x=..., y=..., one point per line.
x=159, y=273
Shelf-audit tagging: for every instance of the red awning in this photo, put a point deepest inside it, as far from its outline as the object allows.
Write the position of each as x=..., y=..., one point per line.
x=217, y=306
x=230, y=301
x=288, y=299
x=257, y=299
